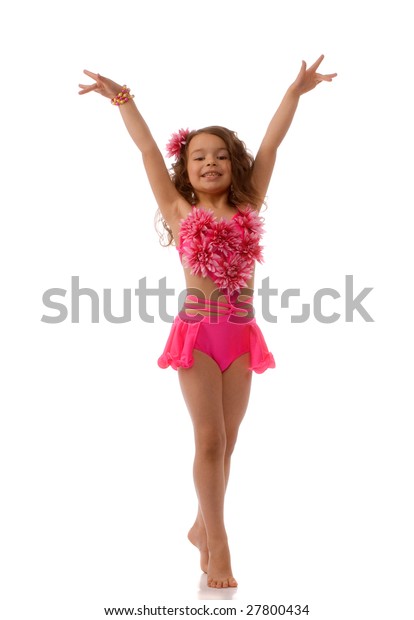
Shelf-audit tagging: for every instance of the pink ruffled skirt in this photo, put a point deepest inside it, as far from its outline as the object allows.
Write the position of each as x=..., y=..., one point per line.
x=221, y=337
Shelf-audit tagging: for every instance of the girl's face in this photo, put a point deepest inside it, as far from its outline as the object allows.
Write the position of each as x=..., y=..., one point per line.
x=208, y=164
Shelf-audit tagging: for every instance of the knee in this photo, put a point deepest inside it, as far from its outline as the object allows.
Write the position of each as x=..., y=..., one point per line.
x=211, y=445
x=230, y=444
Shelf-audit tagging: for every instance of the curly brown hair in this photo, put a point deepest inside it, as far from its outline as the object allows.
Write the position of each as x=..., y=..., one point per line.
x=241, y=190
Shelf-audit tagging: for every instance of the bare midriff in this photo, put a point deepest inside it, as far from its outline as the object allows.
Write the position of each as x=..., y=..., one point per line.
x=204, y=297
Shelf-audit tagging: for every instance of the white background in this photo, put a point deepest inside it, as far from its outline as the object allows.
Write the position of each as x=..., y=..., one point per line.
x=96, y=444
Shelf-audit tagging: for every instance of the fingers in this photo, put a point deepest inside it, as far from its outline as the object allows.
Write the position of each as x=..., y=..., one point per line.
x=87, y=88
x=326, y=77
x=302, y=70
x=94, y=76
x=316, y=63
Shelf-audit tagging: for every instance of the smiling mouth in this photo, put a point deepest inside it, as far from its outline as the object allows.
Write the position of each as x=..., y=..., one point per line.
x=211, y=174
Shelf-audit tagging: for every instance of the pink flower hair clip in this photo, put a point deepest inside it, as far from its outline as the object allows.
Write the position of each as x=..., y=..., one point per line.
x=176, y=143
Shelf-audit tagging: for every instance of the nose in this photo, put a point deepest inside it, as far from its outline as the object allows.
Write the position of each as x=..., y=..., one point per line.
x=211, y=163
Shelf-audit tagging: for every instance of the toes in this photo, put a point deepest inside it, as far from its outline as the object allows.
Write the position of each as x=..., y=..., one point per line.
x=222, y=583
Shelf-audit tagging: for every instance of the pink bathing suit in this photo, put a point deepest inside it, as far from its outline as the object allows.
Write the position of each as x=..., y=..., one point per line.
x=224, y=251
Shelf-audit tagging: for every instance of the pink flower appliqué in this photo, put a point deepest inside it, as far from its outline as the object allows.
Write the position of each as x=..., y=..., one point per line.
x=200, y=256
x=176, y=143
x=224, y=250
x=197, y=223
x=232, y=274
x=224, y=237
x=250, y=221
x=249, y=247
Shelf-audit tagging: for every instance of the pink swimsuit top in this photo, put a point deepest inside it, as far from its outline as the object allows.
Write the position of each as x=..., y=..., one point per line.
x=224, y=250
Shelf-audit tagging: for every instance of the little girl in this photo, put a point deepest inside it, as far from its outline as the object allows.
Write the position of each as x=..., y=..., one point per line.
x=210, y=207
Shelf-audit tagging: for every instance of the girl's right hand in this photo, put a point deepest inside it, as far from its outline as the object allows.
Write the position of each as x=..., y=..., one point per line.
x=103, y=86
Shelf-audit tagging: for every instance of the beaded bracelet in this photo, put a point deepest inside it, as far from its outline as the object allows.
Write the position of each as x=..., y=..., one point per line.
x=122, y=97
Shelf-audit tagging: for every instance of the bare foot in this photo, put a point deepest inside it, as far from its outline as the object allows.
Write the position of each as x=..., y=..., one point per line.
x=219, y=574
x=198, y=537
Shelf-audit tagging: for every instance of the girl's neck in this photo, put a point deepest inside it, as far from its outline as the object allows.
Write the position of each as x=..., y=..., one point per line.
x=214, y=203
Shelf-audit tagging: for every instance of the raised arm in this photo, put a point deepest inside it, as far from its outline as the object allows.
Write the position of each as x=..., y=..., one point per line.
x=165, y=193
x=306, y=80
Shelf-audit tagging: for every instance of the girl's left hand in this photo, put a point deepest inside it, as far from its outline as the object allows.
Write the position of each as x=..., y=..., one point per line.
x=308, y=78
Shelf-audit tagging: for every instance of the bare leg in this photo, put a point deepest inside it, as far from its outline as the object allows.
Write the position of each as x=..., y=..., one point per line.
x=237, y=381
x=202, y=389
x=217, y=403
